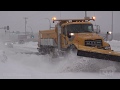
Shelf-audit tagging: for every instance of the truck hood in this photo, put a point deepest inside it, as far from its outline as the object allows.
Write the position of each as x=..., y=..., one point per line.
x=87, y=36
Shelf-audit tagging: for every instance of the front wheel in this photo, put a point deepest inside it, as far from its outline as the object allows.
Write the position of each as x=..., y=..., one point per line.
x=72, y=49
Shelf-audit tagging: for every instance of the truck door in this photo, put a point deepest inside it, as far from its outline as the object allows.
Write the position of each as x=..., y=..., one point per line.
x=64, y=38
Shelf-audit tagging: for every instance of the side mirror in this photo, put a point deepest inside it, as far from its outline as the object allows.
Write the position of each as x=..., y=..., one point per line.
x=97, y=29
x=107, y=34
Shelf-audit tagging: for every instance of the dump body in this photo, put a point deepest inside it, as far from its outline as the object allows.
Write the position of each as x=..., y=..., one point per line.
x=47, y=38
x=48, y=34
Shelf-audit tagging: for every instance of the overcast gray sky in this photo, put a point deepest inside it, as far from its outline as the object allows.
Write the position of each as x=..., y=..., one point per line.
x=36, y=19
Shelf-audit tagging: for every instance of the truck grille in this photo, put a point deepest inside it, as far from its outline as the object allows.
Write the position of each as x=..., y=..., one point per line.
x=93, y=43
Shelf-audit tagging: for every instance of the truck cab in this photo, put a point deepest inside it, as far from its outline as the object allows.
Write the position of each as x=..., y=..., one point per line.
x=79, y=32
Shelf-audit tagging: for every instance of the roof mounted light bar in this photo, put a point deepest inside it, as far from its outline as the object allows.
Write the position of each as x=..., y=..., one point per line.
x=75, y=20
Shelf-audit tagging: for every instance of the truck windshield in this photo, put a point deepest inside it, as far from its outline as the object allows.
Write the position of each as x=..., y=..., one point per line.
x=79, y=28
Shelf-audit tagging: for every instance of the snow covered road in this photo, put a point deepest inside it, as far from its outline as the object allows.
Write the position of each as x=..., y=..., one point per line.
x=14, y=64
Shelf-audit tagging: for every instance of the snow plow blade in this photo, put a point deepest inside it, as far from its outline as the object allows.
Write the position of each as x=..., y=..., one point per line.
x=99, y=53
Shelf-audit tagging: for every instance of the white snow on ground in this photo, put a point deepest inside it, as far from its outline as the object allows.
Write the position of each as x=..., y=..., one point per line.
x=16, y=65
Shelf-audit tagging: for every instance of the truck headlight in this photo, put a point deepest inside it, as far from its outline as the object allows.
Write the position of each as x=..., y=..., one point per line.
x=72, y=34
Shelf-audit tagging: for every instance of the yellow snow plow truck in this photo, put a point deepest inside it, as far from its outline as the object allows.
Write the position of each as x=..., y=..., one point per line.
x=75, y=35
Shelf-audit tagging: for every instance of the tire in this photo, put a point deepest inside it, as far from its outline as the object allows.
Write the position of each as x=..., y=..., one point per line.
x=54, y=53
x=72, y=48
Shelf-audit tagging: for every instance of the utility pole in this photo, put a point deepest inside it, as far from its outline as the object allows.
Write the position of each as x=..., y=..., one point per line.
x=112, y=27
x=85, y=14
x=60, y=14
x=25, y=23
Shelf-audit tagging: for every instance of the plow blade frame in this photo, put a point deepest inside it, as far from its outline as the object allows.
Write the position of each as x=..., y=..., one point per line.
x=98, y=55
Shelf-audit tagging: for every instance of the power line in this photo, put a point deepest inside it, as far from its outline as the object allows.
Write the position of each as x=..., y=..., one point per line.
x=85, y=14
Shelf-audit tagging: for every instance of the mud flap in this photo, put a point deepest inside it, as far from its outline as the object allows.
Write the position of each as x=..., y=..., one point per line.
x=98, y=55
